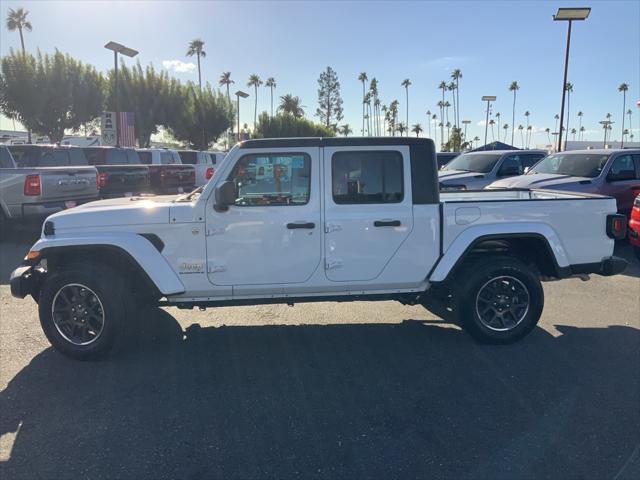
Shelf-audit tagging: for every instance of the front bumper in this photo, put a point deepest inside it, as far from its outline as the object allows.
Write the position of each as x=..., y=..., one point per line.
x=23, y=281
x=607, y=267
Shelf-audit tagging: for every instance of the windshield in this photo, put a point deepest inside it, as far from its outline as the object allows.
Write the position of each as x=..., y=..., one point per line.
x=474, y=162
x=574, y=164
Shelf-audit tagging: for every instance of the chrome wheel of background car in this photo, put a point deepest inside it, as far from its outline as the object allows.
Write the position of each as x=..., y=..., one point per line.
x=502, y=303
x=78, y=314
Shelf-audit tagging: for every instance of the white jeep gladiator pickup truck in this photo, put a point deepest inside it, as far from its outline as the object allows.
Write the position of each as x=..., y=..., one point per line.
x=316, y=219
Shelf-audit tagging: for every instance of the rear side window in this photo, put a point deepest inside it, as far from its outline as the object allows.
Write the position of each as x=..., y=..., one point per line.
x=624, y=166
x=22, y=158
x=77, y=157
x=5, y=158
x=54, y=158
x=145, y=157
x=367, y=177
x=189, y=158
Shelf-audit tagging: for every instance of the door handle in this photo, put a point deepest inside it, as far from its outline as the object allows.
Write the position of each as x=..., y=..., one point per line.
x=296, y=225
x=386, y=223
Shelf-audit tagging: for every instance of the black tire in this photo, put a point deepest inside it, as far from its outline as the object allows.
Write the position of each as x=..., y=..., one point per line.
x=80, y=283
x=499, y=299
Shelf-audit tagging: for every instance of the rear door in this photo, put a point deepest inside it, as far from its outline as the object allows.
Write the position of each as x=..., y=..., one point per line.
x=622, y=182
x=368, y=209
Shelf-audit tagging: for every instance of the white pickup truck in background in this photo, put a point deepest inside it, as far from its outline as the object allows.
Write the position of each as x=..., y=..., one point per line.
x=317, y=219
x=205, y=163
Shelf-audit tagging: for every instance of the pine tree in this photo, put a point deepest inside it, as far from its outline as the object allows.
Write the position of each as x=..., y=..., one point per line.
x=330, y=103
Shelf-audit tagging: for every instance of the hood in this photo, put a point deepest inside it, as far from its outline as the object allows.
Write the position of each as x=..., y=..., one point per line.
x=541, y=180
x=117, y=211
x=456, y=176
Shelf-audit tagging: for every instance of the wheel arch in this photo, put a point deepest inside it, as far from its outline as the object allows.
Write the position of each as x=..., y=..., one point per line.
x=533, y=248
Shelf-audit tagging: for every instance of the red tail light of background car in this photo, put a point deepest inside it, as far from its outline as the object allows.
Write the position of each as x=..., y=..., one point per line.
x=32, y=186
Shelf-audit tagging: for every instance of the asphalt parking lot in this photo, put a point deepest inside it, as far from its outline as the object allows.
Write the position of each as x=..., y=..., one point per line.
x=367, y=390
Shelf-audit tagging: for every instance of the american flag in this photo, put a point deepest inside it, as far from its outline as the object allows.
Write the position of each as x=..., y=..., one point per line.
x=126, y=135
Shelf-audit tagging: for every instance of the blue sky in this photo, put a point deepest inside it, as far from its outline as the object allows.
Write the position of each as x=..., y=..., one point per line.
x=492, y=42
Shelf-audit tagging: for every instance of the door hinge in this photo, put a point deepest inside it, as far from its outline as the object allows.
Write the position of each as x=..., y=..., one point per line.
x=216, y=267
x=332, y=227
x=331, y=263
x=215, y=231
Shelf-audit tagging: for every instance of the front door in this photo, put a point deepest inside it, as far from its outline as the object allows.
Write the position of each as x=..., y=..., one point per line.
x=272, y=235
x=368, y=209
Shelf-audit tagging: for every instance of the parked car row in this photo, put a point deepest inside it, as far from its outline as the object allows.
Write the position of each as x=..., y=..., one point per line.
x=38, y=180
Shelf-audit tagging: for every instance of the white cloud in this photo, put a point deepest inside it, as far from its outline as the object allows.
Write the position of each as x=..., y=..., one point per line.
x=179, y=66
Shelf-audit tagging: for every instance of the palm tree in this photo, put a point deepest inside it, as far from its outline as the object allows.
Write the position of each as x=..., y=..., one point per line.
x=384, y=109
x=271, y=84
x=255, y=82
x=17, y=20
x=623, y=88
x=366, y=101
x=580, y=115
x=195, y=48
x=514, y=87
x=506, y=129
x=492, y=122
x=429, y=121
x=476, y=139
x=457, y=75
x=345, y=130
x=373, y=90
x=401, y=128
x=497, y=115
x=548, y=131
x=434, y=118
x=573, y=132
x=225, y=81
x=363, y=78
x=448, y=131
x=527, y=113
x=441, y=106
x=291, y=105
x=569, y=88
x=630, y=128
x=521, y=128
x=529, y=132
x=442, y=86
x=581, y=133
x=417, y=129
x=452, y=88
x=405, y=83
x=556, y=117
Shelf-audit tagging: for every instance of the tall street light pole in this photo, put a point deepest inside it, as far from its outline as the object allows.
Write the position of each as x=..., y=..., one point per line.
x=239, y=94
x=465, y=123
x=567, y=15
x=129, y=52
x=488, y=99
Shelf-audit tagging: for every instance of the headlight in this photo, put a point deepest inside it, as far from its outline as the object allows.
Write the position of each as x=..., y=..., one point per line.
x=452, y=188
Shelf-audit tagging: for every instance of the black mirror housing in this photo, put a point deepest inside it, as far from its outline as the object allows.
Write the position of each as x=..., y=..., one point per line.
x=225, y=195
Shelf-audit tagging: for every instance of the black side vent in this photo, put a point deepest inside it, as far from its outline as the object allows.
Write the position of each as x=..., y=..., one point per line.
x=155, y=240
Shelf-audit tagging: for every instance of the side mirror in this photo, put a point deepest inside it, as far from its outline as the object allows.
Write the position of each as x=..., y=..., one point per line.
x=621, y=175
x=225, y=195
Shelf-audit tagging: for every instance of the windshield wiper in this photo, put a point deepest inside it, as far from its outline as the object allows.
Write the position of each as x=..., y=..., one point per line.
x=190, y=196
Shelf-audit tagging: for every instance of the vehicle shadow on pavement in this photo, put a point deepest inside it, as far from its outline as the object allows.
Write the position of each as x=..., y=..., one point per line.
x=415, y=399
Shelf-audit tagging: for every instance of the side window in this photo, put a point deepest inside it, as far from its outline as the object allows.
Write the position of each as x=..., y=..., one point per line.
x=22, y=158
x=77, y=157
x=145, y=157
x=623, y=168
x=367, y=177
x=188, y=157
x=512, y=165
x=531, y=160
x=5, y=158
x=272, y=179
x=166, y=158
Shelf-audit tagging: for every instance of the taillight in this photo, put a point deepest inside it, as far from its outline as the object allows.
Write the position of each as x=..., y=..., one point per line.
x=616, y=226
x=32, y=185
x=209, y=173
x=635, y=213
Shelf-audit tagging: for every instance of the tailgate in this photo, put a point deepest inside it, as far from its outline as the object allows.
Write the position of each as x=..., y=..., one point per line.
x=67, y=182
x=167, y=176
x=115, y=179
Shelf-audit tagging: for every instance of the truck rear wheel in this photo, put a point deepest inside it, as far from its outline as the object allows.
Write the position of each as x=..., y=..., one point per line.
x=499, y=299
x=83, y=310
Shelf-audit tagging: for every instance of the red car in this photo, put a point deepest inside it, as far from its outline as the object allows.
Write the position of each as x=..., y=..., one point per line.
x=634, y=227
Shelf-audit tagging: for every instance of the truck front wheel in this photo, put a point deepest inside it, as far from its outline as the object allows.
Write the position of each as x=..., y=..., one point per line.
x=499, y=299
x=83, y=309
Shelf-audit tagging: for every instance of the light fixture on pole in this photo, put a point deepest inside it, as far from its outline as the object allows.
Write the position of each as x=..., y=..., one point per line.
x=567, y=15
x=129, y=52
x=488, y=99
x=465, y=123
x=239, y=94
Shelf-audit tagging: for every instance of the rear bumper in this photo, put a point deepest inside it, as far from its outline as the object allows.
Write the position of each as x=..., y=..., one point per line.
x=45, y=209
x=607, y=267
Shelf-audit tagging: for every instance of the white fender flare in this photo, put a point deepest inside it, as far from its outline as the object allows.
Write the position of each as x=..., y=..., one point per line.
x=138, y=248
x=471, y=235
